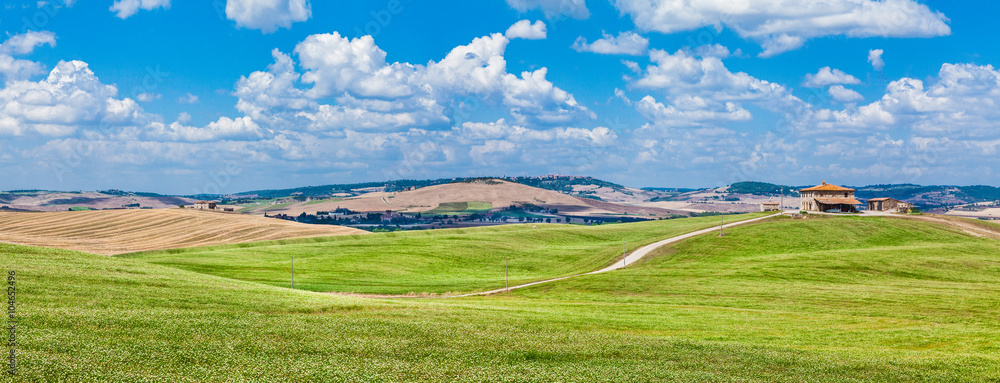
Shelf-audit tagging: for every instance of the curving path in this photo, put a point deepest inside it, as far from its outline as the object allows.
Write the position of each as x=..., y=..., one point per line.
x=630, y=259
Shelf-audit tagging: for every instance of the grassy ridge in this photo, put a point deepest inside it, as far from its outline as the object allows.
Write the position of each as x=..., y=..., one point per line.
x=439, y=261
x=94, y=318
x=908, y=287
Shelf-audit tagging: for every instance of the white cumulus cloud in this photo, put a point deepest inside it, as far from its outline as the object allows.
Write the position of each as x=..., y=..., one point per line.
x=784, y=25
x=553, y=9
x=527, y=30
x=875, y=58
x=243, y=128
x=369, y=93
x=70, y=97
x=626, y=43
x=960, y=103
x=844, y=95
x=124, y=9
x=501, y=138
x=689, y=79
x=827, y=76
x=694, y=112
x=25, y=43
x=13, y=69
x=268, y=15
x=188, y=98
x=147, y=97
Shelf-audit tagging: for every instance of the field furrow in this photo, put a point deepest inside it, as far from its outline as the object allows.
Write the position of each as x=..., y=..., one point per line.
x=121, y=231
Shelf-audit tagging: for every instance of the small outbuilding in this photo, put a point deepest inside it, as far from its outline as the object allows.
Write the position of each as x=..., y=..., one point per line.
x=891, y=205
x=770, y=206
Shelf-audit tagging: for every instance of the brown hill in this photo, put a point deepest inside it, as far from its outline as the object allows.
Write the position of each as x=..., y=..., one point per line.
x=122, y=231
x=62, y=201
x=499, y=193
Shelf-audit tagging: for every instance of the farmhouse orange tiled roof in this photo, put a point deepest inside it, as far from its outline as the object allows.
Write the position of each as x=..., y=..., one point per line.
x=827, y=187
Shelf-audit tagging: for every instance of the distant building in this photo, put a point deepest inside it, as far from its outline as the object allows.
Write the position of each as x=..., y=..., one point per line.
x=829, y=198
x=889, y=205
x=204, y=205
x=770, y=206
x=340, y=212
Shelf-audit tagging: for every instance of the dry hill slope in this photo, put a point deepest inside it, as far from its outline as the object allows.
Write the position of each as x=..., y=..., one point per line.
x=499, y=193
x=121, y=231
x=61, y=201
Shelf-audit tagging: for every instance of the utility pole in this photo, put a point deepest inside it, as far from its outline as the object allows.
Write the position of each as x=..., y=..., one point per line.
x=293, y=271
x=722, y=225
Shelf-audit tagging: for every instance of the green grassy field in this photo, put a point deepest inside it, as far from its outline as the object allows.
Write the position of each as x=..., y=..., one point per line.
x=461, y=208
x=277, y=206
x=256, y=204
x=438, y=261
x=864, y=282
x=822, y=299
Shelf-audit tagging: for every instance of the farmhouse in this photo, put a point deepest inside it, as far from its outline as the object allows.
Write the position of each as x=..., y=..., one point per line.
x=829, y=198
x=770, y=206
x=889, y=205
x=204, y=205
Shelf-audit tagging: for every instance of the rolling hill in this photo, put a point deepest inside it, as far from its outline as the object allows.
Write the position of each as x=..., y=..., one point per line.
x=496, y=192
x=40, y=200
x=367, y=196
x=432, y=261
x=878, y=299
x=120, y=231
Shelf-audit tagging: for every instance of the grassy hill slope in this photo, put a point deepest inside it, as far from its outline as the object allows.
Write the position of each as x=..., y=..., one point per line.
x=437, y=261
x=755, y=305
x=120, y=231
x=912, y=289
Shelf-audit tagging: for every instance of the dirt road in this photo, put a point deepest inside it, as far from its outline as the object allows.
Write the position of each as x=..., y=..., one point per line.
x=631, y=258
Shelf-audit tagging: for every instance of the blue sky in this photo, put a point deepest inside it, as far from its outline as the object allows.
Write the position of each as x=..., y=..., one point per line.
x=230, y=95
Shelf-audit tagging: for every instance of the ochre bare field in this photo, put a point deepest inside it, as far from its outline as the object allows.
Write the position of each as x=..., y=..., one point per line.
x=110, y=232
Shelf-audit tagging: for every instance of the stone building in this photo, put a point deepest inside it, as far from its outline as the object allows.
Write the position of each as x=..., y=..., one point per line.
x=770, y=206
x=204, y=205
x=829, y=198
x=891, y=205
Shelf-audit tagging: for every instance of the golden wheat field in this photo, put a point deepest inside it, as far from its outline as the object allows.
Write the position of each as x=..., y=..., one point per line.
x=110, y=232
